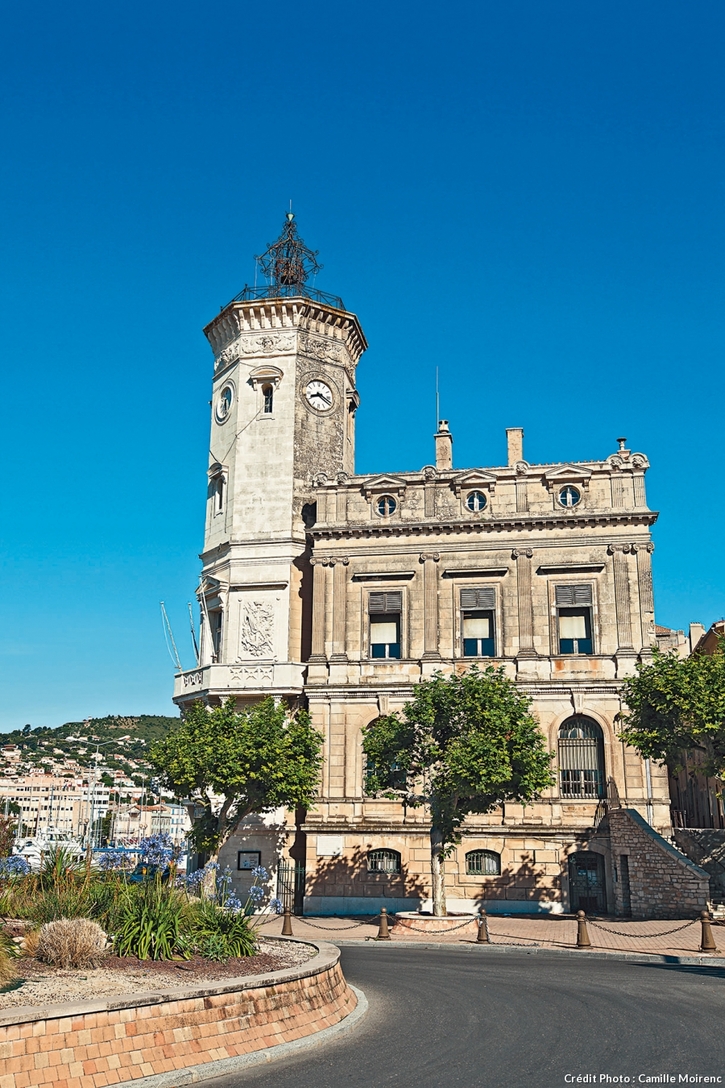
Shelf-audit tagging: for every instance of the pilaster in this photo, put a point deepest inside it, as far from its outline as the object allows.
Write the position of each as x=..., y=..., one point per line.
x=430, y=605
x=646, y=595
x=318, y=610
x=339, y=566
x=523, y=557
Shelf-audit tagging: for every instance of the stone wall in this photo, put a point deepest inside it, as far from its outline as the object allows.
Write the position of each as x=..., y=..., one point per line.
x=119, y=1040
x=663, y=883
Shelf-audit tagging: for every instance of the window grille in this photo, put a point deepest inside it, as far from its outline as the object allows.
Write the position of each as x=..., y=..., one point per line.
x=581, y=759
x=383, y=861
x=483, y=863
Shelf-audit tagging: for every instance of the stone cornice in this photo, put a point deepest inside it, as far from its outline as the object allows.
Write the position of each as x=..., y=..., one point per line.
x=279, y=317
x=502, y=523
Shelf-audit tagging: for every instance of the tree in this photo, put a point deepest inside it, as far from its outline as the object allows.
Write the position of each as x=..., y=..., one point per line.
x=8, y=828
x=463, y=744
x=677, y=705
x=258, y=759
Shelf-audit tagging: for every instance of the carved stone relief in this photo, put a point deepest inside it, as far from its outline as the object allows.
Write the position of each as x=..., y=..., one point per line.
x=255, y=639
x=254, y=675
x=251, y=344
x=327, y=351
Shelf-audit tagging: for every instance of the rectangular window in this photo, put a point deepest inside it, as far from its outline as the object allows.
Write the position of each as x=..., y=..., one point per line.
x=215, y=622
x=574, y=619
x=385, y=610
x=477, y=622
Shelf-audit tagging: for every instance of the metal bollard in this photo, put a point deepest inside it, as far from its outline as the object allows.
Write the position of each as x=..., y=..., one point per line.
x=707, y=941
x=483, y=937
x=582, y=936
x=287, y=923
x=383, y=934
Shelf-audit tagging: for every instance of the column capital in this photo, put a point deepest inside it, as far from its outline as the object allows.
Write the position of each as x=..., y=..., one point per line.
x=428, y=557
x=648, y=547
x=518, y=552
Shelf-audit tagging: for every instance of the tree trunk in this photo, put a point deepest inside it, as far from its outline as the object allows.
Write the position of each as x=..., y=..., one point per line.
x=208, y=884
x=436, y=867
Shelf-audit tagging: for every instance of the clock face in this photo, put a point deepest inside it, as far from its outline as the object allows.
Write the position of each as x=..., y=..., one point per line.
x=318, y=395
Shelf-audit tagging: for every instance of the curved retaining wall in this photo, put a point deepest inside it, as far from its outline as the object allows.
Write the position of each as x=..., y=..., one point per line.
x=121, y=1039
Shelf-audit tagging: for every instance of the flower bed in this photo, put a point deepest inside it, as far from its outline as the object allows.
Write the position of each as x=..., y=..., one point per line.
x=116, y=1041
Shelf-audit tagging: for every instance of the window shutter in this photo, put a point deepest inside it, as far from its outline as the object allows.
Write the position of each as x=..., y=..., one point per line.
x=475, y=599
x=386, y=602
x=570, y=596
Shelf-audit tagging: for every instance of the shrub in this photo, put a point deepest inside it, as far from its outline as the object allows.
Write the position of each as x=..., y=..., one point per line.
x=29, y=943
x=219, y=934
x=8, y=956
x=71, y=942
x=150, y=923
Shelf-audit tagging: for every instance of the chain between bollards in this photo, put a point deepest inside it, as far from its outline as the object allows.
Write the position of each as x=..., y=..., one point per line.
x=287, y=923
x=582, y=935
x=707, y=941
x=483, y=934
x=383, y=934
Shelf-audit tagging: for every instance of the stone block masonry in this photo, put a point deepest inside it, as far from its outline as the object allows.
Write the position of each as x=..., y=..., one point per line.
x=121, y=1040
x=662, y=882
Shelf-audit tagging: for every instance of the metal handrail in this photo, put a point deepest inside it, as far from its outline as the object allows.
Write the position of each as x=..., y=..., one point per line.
x=292, y=290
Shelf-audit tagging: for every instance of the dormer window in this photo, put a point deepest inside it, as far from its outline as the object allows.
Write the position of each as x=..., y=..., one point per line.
x=569, y=496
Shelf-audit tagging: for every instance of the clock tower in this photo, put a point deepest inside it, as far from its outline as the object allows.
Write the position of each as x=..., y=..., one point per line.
x=282, y=423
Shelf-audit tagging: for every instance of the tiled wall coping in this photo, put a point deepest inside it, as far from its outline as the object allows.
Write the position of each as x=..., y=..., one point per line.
x=327, y=956
x=122, y=1039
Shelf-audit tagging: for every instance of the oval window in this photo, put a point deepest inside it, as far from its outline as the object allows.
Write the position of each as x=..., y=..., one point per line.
x=569, y=496
x=476, y=501
x=386, y=506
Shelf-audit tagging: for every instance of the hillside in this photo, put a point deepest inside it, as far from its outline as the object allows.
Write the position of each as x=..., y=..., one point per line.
x=122, y=744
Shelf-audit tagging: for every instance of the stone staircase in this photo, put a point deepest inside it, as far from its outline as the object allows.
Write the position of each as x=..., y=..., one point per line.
x=706, y=847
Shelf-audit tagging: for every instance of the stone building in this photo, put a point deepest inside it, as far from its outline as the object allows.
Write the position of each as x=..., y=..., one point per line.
x=341, y=592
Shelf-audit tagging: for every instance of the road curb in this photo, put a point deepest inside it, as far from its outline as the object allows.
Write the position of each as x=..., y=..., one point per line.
x=180, y=1077
x=576, y=953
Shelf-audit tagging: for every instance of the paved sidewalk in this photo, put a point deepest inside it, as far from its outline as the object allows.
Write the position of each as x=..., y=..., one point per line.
x=672, y=938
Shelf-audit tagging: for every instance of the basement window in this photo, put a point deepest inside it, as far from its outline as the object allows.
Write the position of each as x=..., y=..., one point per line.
x=383, y=861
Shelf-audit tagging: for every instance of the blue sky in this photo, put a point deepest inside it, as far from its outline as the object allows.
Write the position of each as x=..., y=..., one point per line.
x=528, y=196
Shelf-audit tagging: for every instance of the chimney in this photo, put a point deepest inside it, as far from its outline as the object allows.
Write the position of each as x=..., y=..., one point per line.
x=515, y=444
x=444, y=446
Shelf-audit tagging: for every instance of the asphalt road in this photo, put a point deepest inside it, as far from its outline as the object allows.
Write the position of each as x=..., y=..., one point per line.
x=474, y=1019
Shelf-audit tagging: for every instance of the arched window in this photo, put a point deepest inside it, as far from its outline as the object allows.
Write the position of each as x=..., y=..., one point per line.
x=483, y=863
x=581, y=758
x=383, y=861
x=218, y=494
x=268, y=394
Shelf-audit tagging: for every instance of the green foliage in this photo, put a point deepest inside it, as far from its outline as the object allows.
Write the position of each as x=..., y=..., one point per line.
x=8, y=829
x=678, y=705
x=150, y=923
x=465, y=744
x=258, y=759
x=218, y=934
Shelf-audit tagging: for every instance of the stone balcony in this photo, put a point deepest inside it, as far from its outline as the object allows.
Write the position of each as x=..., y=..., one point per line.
x=250, y=679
